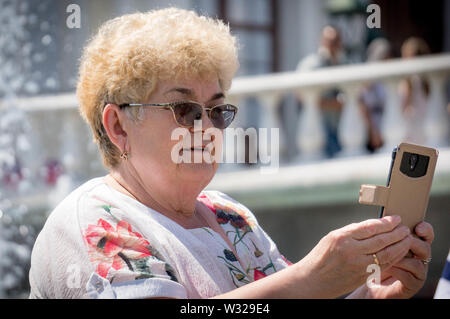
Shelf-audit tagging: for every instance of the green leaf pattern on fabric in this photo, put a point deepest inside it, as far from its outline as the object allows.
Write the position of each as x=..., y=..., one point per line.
x=238, y=228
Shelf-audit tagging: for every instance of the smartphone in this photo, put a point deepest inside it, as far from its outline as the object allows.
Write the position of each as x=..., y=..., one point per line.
x=394, y=155
x=409, y=181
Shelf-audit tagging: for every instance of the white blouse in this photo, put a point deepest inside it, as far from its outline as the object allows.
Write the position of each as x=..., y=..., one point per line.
x=100, y=243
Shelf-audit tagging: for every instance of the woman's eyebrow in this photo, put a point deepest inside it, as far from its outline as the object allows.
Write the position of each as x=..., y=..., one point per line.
x=190, y=93
x=183, y=91
x=217, y=96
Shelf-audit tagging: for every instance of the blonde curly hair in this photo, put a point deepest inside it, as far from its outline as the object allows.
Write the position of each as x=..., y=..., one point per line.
x=127, y=57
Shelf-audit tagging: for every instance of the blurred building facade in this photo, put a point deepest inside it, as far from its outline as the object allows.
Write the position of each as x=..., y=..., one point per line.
x=273, y=34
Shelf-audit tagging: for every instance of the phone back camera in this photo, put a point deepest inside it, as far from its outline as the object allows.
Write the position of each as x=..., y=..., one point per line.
x=413, y=161
x=414, y=165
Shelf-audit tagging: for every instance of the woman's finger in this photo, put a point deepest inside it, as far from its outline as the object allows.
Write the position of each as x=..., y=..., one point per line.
x=420, y=248
x=425, y=231
x=380, y=241
x=413, y=266
x=409, y=282
x=392, y=254
x=372, y=227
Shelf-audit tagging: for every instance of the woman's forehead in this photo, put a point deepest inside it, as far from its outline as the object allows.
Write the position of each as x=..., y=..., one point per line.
x=192, y=89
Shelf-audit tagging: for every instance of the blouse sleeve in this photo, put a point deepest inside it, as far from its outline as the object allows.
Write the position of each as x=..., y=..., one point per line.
x=266, y=243
x=277, y=258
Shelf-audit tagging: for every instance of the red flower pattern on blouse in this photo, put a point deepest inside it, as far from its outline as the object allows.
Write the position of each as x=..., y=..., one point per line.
x=112, y=248
x=228, y=214
x=257, y=274
x=286, y=261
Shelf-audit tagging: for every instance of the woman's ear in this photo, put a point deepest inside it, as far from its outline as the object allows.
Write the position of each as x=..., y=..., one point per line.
x=113, y=124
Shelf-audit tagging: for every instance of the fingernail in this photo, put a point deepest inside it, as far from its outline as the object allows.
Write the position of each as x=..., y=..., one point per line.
x=396, y=218
x=420, y=228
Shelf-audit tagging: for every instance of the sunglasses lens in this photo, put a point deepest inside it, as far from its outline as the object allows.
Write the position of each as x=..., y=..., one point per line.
x=223, y=115
x=187, y=113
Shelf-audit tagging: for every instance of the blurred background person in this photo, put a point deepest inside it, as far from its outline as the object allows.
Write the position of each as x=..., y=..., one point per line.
x=373, y=96
x=330, y=53
x=414, y=93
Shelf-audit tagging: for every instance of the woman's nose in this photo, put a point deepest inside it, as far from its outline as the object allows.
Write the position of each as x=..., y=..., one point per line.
x=205, y=122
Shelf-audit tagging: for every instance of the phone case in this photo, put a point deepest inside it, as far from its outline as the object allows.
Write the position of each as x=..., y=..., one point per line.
x=409, y=185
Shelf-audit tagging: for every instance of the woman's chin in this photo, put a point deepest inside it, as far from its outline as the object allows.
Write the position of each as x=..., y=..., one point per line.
x=197, y=171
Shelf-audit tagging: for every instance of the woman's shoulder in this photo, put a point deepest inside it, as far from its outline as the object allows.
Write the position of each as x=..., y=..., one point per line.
x=68, y=206
x=60, y=241
x=86, y=213
x=90, y=201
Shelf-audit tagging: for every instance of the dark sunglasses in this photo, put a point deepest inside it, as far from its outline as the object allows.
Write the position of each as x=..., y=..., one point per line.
x=186, y=112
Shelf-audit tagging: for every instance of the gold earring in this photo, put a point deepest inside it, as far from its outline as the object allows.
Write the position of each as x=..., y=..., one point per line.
x=124, y=155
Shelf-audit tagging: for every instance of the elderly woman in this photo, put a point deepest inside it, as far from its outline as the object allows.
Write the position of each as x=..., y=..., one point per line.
x=148, y=229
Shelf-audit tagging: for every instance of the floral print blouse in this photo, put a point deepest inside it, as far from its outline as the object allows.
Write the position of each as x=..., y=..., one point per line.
x=100, y=243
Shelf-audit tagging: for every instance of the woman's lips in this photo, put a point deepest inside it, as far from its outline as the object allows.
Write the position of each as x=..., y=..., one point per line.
x=195, y=148
x=203, y=154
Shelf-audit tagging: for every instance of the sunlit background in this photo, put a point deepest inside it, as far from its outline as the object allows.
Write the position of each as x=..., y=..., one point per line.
x=342, y=96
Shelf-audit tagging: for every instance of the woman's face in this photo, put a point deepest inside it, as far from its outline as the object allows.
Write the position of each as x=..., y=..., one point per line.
x=150, y=143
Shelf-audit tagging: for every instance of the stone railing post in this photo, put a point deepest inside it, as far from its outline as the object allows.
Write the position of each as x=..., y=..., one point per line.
x=352, y=130
x=437, y=121
x=393, y=123
x=310, y=134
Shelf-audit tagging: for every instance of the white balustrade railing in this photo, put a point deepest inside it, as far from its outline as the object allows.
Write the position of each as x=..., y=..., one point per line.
x=61, y=132
x=349, y=79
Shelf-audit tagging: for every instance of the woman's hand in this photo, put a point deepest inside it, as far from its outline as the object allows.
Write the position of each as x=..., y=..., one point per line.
x=406, y=277
x=338, y=264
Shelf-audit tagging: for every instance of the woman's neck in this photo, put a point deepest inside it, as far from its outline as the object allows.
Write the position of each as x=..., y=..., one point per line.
x=177, y=204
